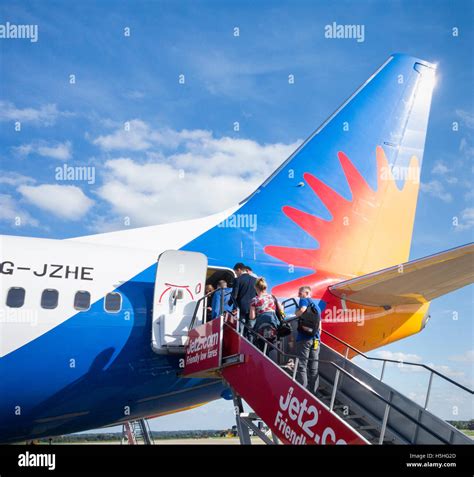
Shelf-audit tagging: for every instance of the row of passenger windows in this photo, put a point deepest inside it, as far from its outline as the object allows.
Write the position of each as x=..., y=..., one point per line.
x=50, y=298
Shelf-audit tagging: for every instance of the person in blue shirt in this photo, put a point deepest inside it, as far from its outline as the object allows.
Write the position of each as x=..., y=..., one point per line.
x=217, y=299
x=307, y=346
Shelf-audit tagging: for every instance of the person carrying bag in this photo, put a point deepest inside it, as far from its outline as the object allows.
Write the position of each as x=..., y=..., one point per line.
x=307, y=340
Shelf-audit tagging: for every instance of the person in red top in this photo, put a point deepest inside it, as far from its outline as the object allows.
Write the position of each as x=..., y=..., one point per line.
x=263, y=312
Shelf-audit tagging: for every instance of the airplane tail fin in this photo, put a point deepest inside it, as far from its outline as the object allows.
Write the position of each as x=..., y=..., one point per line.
x=344, y=203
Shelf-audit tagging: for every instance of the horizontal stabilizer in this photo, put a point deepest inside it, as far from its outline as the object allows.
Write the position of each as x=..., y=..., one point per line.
x=418, y=281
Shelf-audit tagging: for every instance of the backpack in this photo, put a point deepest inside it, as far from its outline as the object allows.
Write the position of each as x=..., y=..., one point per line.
x=308, y=322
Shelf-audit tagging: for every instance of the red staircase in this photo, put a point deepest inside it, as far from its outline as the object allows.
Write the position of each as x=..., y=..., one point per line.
x=294, y=415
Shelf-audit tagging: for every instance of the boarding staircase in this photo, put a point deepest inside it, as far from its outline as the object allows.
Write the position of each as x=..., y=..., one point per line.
x=137, y=432
x=350, y=406
x=381, y=413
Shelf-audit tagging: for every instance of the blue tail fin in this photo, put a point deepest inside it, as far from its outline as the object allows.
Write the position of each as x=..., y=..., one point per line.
x=335, y=207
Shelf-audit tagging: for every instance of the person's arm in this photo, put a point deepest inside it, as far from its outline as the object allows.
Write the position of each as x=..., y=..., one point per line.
x=320, y=322
x=214, y=305
x=235, y=291
x=300, y=311
x=303, y=306
x=252, y=312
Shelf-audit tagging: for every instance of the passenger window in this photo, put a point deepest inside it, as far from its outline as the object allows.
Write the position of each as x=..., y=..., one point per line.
x=82, y=300
x=49, y=299
x=16, y=297
x=113, y=302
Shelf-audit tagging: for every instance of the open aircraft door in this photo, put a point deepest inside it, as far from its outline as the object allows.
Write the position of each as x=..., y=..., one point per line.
x=179, y=284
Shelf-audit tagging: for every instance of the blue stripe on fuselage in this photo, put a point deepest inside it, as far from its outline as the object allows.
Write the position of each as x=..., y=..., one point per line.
x=90, y=368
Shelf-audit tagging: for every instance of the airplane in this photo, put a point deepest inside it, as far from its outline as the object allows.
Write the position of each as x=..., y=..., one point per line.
x=93, y=328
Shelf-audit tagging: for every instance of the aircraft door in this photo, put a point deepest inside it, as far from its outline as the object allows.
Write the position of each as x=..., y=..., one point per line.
x=179, y=284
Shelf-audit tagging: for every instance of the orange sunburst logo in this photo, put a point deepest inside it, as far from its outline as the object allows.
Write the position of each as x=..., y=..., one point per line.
x=368, y=232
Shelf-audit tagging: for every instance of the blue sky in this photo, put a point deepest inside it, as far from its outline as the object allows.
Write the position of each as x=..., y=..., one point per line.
x=228, y=79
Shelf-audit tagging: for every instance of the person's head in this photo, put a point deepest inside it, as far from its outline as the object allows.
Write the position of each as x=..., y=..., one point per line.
x=221, y=284
x=240, y=268
x=248, y=269
x=261, y=285
x=304, y=292
x=209, y=288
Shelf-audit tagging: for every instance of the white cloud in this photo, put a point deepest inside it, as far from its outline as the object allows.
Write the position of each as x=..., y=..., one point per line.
x=64, y=201
x=133, y=138
x=466, y=117
x=157, y=193
x=467, y=357
x=23, y=150
x=440, y=168
x=14, y=179
x=466, y=148
x=45, y=115
x=446, y=370
x=436, y=189
x=399, y=356
x=469, y=195
x=375, y=366
x=136, y=135
x=59, y=150
x=241, y=156
x=188, y=173
x=414, y=358
x=11, y=212
x=134, y=94
x=466, y=220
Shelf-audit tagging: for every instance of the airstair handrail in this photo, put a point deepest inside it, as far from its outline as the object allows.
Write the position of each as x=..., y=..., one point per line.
x=387, y=360
x=387, y=402
x=196, y=308
x=198, y=303
x=358, y=381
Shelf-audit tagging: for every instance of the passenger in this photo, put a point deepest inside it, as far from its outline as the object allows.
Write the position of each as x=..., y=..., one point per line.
x=243, y=292
x=263, y=309
x=209, y=289
x=250, y=272
x=222, y=290
x=307, y=340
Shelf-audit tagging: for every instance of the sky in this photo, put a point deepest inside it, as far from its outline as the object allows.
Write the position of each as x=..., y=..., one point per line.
x=143, y=92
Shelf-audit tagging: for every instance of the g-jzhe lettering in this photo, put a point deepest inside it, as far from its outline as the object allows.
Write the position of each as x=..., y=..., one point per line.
x=64, y=271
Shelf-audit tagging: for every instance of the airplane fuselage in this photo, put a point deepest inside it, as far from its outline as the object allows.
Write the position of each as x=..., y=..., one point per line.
x=71, y=362
x=63, y=369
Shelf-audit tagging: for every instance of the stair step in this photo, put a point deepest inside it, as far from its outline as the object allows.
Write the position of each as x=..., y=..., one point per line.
x=327, y=392
x=354, y=416
x=375, y=440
